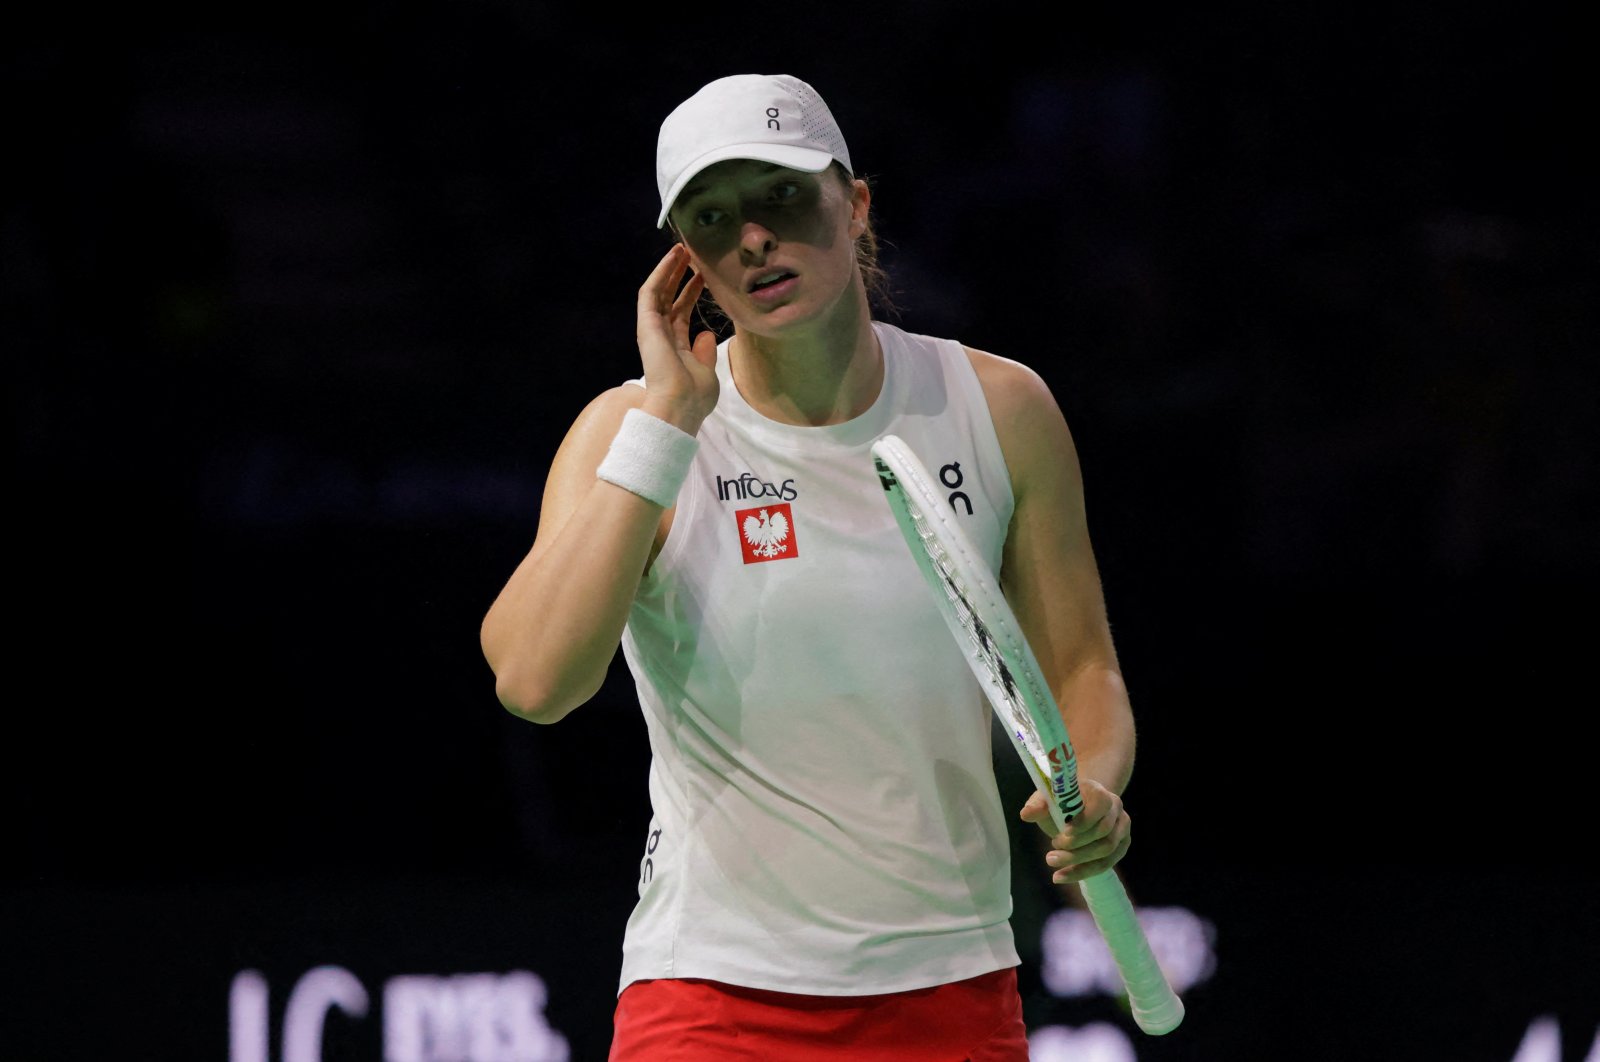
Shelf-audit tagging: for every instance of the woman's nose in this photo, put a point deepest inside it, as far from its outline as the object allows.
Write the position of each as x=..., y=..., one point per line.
x=756, y=241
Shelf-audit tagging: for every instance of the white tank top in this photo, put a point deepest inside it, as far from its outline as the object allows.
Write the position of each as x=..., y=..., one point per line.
x=825, y=817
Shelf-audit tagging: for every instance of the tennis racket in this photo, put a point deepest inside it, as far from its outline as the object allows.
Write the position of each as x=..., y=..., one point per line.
x=970, y=599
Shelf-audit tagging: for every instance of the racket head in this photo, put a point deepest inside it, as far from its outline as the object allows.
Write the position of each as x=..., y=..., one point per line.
x=970, y=600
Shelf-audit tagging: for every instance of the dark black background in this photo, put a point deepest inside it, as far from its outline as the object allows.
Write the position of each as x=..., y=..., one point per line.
x=300, y=299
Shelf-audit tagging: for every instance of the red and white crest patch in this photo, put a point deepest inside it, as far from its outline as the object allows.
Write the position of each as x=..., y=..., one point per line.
x=766, y=533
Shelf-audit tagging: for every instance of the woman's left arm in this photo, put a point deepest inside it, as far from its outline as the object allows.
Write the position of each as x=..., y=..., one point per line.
x=1052, y=582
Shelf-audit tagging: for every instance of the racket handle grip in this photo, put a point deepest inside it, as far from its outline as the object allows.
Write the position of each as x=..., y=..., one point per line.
x=1156, y=1007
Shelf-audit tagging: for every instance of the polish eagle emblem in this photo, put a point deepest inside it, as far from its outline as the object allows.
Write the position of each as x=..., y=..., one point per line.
x=768, y=535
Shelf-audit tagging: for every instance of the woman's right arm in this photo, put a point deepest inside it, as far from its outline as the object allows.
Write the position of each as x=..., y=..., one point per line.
x=552, y=631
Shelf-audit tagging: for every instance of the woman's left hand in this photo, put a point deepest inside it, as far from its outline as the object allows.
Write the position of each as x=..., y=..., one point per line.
x=1092, y=843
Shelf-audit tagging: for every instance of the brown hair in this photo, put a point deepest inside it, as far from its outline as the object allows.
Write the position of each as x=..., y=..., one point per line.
x=879, y=292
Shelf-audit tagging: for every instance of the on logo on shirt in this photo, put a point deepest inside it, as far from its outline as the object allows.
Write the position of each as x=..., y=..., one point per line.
x=766, y=533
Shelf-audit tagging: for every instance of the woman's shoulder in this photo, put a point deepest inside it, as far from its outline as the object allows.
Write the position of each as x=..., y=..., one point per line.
x=1012, y=388
x=597, y=423
x=1028, y=421
x=615, y=401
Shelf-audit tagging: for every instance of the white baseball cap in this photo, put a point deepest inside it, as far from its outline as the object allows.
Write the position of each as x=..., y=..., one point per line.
x=768, y=117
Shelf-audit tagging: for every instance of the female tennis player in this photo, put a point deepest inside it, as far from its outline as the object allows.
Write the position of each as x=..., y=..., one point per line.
x=826, y=870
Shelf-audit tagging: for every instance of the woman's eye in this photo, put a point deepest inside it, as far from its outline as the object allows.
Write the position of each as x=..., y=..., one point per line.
x=707, y=218
x=786, y=190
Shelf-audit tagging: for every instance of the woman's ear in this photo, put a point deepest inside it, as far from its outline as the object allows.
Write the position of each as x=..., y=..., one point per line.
x=860, y=202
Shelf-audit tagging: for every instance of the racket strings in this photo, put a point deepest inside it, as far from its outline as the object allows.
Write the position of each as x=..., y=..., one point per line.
x=1003, y=682
x=980, y=637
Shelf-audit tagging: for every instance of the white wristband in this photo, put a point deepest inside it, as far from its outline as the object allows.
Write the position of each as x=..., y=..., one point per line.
x=649, y=457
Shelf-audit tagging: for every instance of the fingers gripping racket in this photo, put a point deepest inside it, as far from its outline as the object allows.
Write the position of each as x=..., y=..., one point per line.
x=970, y=599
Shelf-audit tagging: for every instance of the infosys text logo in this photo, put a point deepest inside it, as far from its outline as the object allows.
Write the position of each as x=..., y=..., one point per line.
x=749, y=486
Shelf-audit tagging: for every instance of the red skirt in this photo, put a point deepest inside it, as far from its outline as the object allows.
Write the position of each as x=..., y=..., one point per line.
x=686, y=1020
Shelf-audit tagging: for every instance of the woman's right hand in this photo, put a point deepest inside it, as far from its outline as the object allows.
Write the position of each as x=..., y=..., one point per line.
x=680, y=377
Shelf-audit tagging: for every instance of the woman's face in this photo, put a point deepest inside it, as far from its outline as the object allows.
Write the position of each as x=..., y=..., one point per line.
x=776, y=246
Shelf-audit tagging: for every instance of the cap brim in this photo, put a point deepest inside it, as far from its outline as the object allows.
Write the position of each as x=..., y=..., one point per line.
x=807, y=160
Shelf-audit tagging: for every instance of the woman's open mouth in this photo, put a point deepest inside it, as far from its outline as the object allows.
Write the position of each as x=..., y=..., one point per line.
x=769, y=287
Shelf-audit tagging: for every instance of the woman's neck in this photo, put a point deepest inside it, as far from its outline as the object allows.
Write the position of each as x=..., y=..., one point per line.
x=825, y=375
